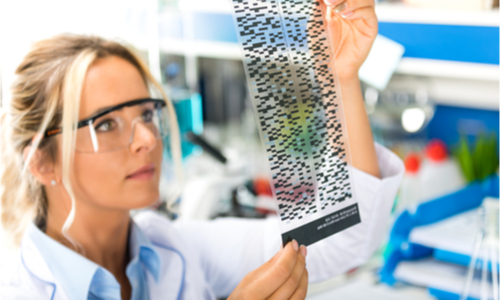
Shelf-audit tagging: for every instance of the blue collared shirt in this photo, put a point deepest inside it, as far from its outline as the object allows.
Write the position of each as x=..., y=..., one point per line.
x=83, y=279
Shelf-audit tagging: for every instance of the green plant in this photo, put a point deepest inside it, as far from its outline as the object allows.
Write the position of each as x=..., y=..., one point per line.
x=480, y=160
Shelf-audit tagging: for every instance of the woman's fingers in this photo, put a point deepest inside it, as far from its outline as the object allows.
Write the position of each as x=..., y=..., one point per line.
x=270, y=277
x=348, y=5
x=292, y=283
x=366, y=13
x=275, y=272
x=301, y=291
x=353, y=10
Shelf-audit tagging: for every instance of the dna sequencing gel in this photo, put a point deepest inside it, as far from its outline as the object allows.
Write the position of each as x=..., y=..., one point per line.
x=293, y=85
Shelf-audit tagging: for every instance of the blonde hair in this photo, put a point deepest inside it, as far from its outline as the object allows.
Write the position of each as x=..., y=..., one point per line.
x=46, y=94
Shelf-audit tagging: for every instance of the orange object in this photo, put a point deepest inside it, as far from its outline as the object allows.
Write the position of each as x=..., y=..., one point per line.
x=262, y=186
x=436, y=150
x=412, y=163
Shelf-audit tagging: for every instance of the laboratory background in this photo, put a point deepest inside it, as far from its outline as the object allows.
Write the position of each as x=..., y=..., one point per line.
x=431, y=91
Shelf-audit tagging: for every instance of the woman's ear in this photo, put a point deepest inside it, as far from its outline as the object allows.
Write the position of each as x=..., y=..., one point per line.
x=41, y=168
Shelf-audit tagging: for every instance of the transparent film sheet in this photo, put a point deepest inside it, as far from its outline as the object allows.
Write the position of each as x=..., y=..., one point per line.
x=293, y=85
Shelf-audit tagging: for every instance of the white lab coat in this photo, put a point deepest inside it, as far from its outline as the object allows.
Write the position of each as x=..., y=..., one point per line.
x=207, y=259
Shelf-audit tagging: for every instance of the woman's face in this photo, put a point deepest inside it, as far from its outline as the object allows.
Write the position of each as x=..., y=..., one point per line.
x=114, y=180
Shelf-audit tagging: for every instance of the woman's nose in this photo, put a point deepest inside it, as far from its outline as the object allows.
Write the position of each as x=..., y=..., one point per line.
x=143, y=139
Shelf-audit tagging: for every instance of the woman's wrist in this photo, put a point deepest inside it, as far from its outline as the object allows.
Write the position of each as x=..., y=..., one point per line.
x=362, y=148
x=350, y=88
x=351, y=81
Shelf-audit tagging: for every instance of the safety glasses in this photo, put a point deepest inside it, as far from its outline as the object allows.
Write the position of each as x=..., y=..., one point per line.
x=114, y=128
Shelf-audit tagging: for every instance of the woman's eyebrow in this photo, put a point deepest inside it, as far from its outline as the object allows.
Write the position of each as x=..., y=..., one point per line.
x=103, y=109
x=98, y=111
x=121, y=106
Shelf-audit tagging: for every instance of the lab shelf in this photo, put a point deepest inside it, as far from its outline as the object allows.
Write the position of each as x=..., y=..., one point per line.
x=400, y=13
x=386, y=12
x=448, y=69
x=432, y=38
x=407, y=65
x=455, y=46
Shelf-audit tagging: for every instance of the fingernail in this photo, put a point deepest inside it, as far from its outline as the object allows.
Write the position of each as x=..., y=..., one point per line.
x=303, y=250
x=295, y=245
x=331, y=2
x=346, y=15
x=340, y=7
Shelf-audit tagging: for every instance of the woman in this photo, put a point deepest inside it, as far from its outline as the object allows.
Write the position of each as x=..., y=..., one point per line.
x=83, y=147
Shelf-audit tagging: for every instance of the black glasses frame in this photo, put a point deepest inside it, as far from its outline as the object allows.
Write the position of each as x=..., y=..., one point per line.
x=159, y=103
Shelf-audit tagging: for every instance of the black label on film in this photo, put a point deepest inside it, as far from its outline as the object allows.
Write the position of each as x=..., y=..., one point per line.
x=323, y=227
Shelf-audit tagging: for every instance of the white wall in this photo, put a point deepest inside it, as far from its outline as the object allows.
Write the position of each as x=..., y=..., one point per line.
x=24, y=21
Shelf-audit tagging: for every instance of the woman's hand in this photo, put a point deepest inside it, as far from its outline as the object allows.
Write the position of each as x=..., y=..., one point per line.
x=353, y=27
x=282, y=277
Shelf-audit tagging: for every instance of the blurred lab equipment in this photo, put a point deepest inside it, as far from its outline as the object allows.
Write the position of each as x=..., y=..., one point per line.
x=438, y=239
x=409, y=192
x=381, y=62
x=223, y=88
x=398, y=115
x=252, y=199
x=454, y=4
x=443, y=280
x=189, y=118
x=200, y=141
x=486, y=244
x=439, y=174
x=450, y=240
x=187, y=104
x=364, y=288
x=210, y=185
x=189, y=115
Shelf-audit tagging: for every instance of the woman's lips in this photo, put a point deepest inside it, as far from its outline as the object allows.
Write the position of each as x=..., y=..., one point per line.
x=144, y=173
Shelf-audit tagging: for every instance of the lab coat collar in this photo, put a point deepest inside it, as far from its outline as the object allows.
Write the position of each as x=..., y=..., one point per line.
x=172, y=277
x=165, y=281
x=37, y=257
x=173, y=272
x=141, y=246
x=34, y=263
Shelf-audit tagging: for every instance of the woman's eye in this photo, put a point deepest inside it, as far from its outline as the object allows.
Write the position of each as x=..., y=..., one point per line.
x=105, y=126
x=147, y=116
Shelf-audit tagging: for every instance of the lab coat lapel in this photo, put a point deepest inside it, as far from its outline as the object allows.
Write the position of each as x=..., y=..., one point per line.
x=171, y=282
x=36, y=266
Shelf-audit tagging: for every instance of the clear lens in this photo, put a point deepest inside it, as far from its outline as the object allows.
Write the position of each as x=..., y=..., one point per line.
x=115, y=130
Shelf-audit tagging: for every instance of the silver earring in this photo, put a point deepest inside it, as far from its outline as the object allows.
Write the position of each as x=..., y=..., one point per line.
x=53, y=182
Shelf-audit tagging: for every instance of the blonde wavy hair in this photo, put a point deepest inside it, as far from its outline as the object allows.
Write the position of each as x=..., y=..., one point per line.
x=46, y=94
